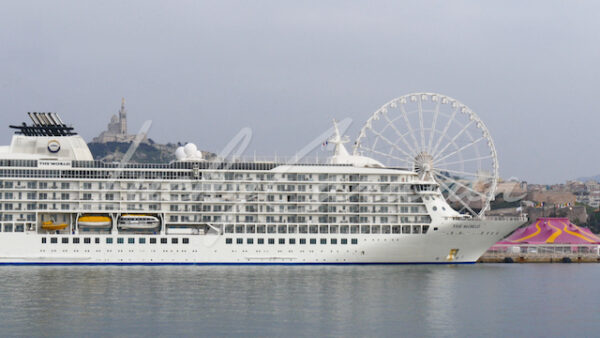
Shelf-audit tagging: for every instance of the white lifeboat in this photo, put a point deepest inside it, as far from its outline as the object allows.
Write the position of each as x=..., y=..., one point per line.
x=138, y=222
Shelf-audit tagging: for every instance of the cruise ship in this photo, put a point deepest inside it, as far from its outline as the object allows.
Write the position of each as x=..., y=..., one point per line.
x=60, y=206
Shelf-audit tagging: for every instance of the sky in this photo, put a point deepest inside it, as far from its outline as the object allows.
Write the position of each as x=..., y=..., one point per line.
x=203, y=70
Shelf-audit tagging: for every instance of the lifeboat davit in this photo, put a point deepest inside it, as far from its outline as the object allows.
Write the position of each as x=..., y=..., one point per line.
x=94, y=221
x=138, y=222
x=50, y=225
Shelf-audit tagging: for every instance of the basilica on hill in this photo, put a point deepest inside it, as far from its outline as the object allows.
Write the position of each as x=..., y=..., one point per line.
x=117, y=129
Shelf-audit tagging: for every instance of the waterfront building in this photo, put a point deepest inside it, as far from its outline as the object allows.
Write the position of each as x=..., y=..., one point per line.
x=547, y=239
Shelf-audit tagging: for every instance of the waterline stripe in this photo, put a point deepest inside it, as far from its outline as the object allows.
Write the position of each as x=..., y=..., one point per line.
x=270, y=263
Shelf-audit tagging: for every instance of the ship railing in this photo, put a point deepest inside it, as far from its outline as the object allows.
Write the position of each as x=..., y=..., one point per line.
x=506, y=218
x=489, y=218
x=542, y=250
x=280, y=159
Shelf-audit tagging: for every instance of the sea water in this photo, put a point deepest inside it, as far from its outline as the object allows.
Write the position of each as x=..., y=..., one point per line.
x=481, y=300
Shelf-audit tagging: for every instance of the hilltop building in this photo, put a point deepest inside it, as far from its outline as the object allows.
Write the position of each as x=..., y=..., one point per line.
x=117, y=129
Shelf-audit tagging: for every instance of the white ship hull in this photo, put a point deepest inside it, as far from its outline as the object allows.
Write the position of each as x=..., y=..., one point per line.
x=431, y=248
x=352, y=210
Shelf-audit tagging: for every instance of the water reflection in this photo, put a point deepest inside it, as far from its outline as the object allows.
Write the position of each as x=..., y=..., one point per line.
x=300, y=301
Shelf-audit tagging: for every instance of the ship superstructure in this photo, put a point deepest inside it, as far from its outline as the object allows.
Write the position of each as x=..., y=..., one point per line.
x=59, y=206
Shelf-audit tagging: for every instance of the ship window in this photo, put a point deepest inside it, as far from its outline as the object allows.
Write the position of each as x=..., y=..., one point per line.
x=109, y=240
x=260, y=229
x=302, y=229
x=292, y=241
x=302, y=240
x=434, y=208
x=228, y=241
x=406, y=229
x=130, y=240
x=120, y=240
x=53, y=240
x=365, y=229
x=344, y=241
x=385, y=229
x=184, y=240
x=271, y=229
x=271, y=240
x=396, y=230
x=313, y=241
x=239, y=229
x=435, y=229
x=97, y=240
x=425, y=228
x=87, y=240
x=163, y=241
x=43, y=240
x=142, y=240
x=282, y=241
x=354, y=241
x=261, y=241
x=248, y=241
x=76, y=240
x=65, y=240
x=312, y=229
x=229, y=228
x=416, y=229
x=344, y=229
x=175, y=241
x=333, y=241
x=282, y=229
x=354, y=229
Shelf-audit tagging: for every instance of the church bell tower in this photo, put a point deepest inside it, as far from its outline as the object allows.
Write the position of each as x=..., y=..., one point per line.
x=123, y=118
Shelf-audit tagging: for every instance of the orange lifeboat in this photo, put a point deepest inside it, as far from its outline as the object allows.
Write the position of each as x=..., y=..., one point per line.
x=50, y=225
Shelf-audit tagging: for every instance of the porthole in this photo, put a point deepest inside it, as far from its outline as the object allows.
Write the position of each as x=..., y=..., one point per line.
x=434, y=208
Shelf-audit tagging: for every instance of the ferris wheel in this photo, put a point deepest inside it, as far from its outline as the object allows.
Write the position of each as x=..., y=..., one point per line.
x=439, y=138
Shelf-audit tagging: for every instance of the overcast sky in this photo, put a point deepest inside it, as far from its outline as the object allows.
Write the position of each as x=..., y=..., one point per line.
x=201, y=71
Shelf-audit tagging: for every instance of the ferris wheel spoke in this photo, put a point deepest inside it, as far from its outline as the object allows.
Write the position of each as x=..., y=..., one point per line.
x=390, y=142
x=386, y=155
x=460, y=184
x=393, y=126
x=445, y=130
x=433, y=125
x=468, y=160
x=409, y=126
x=451, y=192
x=421, y=123
x=458, y=172
x=460, y=149
x=454, y=138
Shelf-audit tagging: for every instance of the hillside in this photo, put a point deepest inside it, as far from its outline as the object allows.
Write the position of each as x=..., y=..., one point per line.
x=145, y=153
